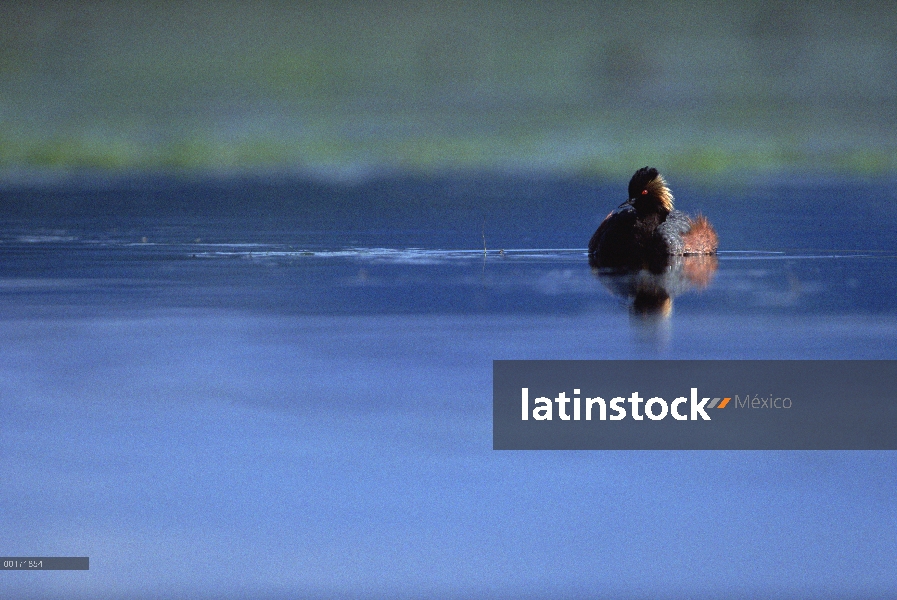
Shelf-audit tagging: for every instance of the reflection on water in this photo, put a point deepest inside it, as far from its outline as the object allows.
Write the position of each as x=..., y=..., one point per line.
x=651, y=290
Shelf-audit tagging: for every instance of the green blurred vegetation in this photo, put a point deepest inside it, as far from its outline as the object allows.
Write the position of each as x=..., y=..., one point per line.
x=586, y=87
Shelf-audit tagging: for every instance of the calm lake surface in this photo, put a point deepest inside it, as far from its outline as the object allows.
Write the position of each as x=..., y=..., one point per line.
x=272, y=387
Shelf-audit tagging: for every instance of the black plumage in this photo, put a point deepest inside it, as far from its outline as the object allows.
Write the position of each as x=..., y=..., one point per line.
x=648, y=228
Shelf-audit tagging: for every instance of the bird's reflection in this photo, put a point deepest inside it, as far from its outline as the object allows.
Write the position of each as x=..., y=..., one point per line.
x=650, y=288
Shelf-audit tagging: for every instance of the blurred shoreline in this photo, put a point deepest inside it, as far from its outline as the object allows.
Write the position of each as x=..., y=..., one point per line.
x=351, y=176
x=341, y=88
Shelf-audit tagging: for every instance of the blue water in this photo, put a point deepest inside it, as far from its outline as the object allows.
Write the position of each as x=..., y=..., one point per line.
x=280, y=388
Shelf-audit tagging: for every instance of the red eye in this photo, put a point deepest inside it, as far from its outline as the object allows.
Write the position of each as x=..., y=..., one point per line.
x=644, y=192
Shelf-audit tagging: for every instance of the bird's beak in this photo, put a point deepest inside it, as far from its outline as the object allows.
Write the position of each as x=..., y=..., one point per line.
x=627, y=203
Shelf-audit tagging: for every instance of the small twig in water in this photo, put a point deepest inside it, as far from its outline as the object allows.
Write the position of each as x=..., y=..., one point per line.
x=484, y=236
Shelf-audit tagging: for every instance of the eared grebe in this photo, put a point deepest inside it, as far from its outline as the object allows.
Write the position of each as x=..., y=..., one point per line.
x=649, y=229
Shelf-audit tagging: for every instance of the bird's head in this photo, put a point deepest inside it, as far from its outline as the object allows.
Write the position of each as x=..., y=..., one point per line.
x=649, y=193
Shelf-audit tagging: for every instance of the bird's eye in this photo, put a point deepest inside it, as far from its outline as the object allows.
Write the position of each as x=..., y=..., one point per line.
x=644, y=192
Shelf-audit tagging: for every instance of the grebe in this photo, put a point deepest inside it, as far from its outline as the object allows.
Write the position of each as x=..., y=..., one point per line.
x=649, y=229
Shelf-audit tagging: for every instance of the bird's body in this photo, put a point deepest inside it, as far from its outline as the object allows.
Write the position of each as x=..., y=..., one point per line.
x=649, y=229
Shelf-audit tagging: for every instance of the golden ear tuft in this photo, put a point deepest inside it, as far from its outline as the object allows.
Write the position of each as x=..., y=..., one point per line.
x=658, y=188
